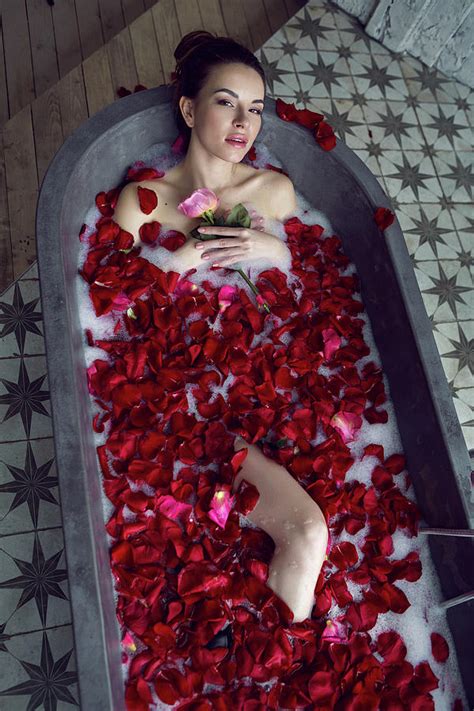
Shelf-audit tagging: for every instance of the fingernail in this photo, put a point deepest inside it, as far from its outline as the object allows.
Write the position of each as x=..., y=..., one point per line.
x=215, y=265
x=205, y=256
x=201, y=229
x=199, y=246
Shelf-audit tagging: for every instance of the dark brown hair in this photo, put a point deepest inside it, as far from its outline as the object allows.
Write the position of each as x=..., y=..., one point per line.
x=196, y=55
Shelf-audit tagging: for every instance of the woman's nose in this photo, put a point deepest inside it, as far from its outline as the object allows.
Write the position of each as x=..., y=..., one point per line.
x=241, y=120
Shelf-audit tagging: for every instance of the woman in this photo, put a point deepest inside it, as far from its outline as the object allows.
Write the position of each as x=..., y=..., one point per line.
x=220, y=92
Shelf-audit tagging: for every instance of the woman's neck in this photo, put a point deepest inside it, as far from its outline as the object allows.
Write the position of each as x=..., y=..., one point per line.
x=216, y=175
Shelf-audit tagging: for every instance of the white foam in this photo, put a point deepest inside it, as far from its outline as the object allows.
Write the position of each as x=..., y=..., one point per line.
x=424, y=616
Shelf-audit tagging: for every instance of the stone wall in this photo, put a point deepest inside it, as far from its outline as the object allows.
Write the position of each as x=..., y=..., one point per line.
x=439, y=32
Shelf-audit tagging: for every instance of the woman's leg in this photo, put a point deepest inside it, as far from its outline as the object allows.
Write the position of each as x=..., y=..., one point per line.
x=295, y=522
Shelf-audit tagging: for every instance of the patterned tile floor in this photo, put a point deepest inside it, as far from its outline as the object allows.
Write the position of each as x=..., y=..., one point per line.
x=413, y=128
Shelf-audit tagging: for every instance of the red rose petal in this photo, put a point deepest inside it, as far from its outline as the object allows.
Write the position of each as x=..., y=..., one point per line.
x=181, y=574
x=322, y=687
x=344, y=555
x=149, y=232
x=424, y=679
x=147, y=199
x=391, y=646
x=383, y=217
x=439, y=647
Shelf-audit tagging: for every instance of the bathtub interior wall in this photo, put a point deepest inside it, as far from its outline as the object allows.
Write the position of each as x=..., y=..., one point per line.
x=341, y=186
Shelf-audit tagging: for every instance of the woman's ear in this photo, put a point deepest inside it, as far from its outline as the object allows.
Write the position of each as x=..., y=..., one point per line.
x=186, y=107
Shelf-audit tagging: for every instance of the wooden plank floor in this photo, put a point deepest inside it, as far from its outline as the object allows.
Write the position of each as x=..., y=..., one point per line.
x=43, y=42
x=58, y=71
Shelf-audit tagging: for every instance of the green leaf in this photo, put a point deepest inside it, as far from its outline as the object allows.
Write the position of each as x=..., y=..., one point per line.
x=238, y=216
x=131, y=313
x=200, y=236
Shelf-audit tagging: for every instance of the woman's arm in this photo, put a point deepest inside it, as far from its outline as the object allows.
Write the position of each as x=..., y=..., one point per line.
x=283, y=205
x=283, y=198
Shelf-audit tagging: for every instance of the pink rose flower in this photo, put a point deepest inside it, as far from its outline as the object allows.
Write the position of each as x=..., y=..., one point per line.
x=199, y=202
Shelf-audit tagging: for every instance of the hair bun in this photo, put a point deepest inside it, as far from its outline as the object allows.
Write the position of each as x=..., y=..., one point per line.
x=189, y=43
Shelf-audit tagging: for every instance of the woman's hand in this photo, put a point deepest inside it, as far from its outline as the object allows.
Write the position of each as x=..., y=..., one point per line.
x=235, y=244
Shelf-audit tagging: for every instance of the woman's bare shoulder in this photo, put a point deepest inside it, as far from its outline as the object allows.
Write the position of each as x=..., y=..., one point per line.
x=277, y=194
x=127, y=213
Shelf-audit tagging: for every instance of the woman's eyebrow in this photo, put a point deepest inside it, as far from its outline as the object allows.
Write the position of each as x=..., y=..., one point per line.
x=229, y=91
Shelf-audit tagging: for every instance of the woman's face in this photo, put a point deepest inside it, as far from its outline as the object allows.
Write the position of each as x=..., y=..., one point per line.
x=216, y=114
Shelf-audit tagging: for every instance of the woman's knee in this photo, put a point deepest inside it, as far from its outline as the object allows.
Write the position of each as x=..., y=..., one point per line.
x=312, y=532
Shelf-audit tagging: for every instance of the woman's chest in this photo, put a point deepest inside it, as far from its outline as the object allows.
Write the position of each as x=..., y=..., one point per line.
x=253, y=195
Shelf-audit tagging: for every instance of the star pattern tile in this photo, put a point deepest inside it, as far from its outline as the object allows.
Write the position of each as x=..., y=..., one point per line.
x=29, y=484
x=410, y=176
x=412, y=127
x=47, y=683
x=456, y=174
x=428, y=83
x=393, y=125
x=445, y=126
x=23, y=396
x=37, y=667
x=19, y=317
x=447, y=289
x=378, y=77
x=38, y=578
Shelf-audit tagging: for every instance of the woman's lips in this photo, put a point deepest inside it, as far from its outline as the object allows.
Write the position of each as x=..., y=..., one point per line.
x=236, y=144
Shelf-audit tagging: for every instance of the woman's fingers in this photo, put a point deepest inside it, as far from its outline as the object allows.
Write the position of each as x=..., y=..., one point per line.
x=225, y=257
x=223, y=253
x=221, y=243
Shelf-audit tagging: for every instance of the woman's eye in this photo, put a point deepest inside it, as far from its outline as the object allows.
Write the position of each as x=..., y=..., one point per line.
x=226, y=101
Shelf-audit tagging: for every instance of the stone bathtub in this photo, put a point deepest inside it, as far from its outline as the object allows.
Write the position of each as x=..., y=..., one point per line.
x=95, y=158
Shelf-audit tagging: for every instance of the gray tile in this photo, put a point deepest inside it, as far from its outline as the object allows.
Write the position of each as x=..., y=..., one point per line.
x=323, y=74
x=29, y=495
x=456, y=174
x=378, y=77
x=21, y=685
x=279, y=71
x=467, y=396
x=313, y=22
x=24, y=399
x=429, y=231
x=463, y=218
x=428, y=84
x=455, y=343
x=21, y=320
x=33, y=581
x=446, y=288
x=445, y=126
x=410, y=177
x=393, y=125
x=307, y=34
x=466, y=420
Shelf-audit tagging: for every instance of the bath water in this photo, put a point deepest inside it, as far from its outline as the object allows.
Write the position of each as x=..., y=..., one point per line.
x=423, y=616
